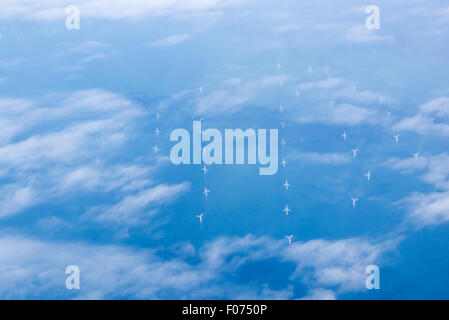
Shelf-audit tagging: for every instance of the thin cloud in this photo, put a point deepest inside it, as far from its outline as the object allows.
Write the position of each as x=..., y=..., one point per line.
x=44, y=161
x=346, y=114
x=134, y=208
x=6, y=64
x=170, y=41
x=105, y=9
x=427, y=209
x=326, y=158
x=361, y=34
x=335, y=267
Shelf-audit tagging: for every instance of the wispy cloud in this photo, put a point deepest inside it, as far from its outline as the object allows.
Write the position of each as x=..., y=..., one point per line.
x=439, y=107
x=16, y=198
x=433, y=169
x=134, y=208
x=104, y=9
x=92, y=57
x=169, y=41
x=329, y=267
x=45, y=161
x=342, y=89
x=361, y=34
x=427, y=209
x=346, y=114
x=326, y=158
x=6, y=64
x=432, y=208
x=220, y=102
x=424, y=122
x=235, y=95
x=423, y=125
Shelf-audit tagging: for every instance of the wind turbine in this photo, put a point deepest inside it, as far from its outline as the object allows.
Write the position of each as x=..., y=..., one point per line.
x=354, y=201
x=368, y=175
x=416, y=155
x=344, y=135
x=286, y=185
x=157, y=131
x=396, y=138
x=354, y=151
x=286, y=210
x=283, y=143
x=283, y=162
x=158, y=116
x=155, y=149
x=289, y=239
x=206, y=191
x=200, y=216
x=204, y=169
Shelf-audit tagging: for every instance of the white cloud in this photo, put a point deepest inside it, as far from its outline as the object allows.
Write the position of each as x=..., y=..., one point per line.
x=428, y=209
x=87, y=46
x=290, y=27
x=6, y=64
x=361, y=34
x=268, y=81
x=422, y=124
x=346, y=114
x=105, y=9
x=339, y=265
x=439, y=107
x=169, y=41
x=49, y=144
x=432, y=208
x=232, y=99
x=342, y=89
x=219, y=102
x=320, y=294
x=315, y=157
x=52, y=224
x=434, y=168
x=15, y=198
x=133, y=209
x=443, y=13
x=92, y=57
x=322, y=84
x=232, y=82
x=32, y=268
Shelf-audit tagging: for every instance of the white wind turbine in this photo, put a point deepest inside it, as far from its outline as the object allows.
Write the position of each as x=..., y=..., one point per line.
x=200, y=216
x=286, y=210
